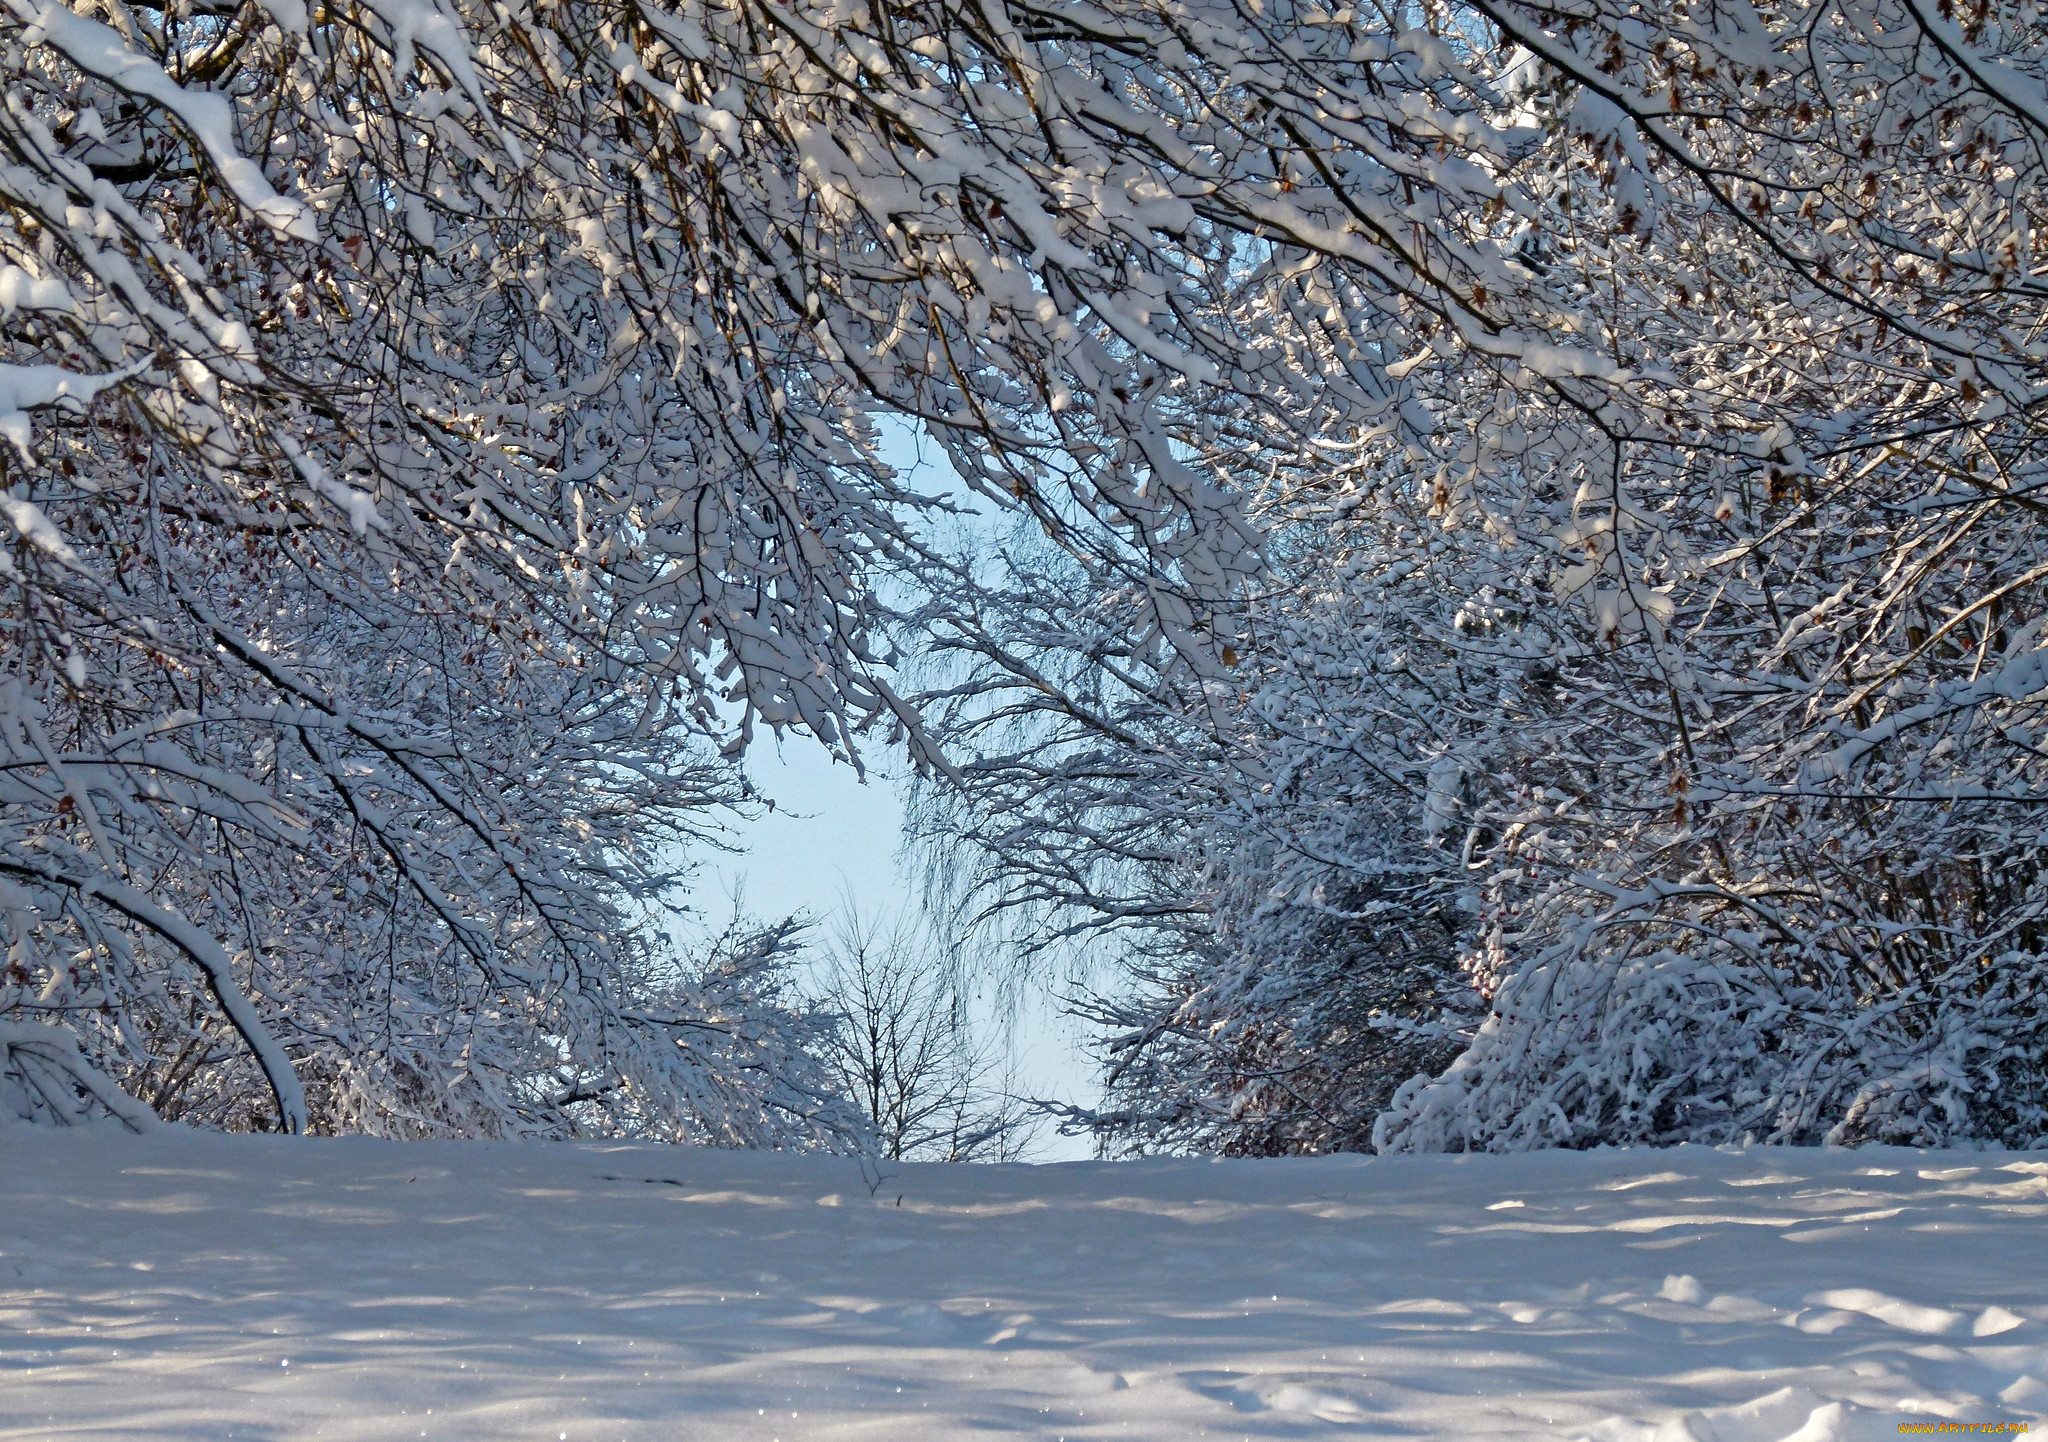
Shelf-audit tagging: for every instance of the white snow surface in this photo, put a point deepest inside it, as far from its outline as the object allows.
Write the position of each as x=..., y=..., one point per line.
x=184, y=1285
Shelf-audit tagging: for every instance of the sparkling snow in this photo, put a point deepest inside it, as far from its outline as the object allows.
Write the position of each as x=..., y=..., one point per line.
x=182, y=1285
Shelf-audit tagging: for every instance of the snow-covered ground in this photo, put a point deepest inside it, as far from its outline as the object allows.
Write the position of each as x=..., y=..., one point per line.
x=192, y=1286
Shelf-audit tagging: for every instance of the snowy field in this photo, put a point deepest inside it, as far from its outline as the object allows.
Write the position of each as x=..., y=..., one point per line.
x=195, y=1286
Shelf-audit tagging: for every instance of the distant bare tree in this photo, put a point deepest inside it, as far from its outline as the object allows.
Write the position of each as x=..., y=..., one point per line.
x=907, y=1051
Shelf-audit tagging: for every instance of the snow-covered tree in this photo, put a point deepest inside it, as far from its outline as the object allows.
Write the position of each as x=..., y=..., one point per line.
x=439, y=436
x=925, y=1076
x=1654, y=605
x=1760, y=853
x=1550, y=481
